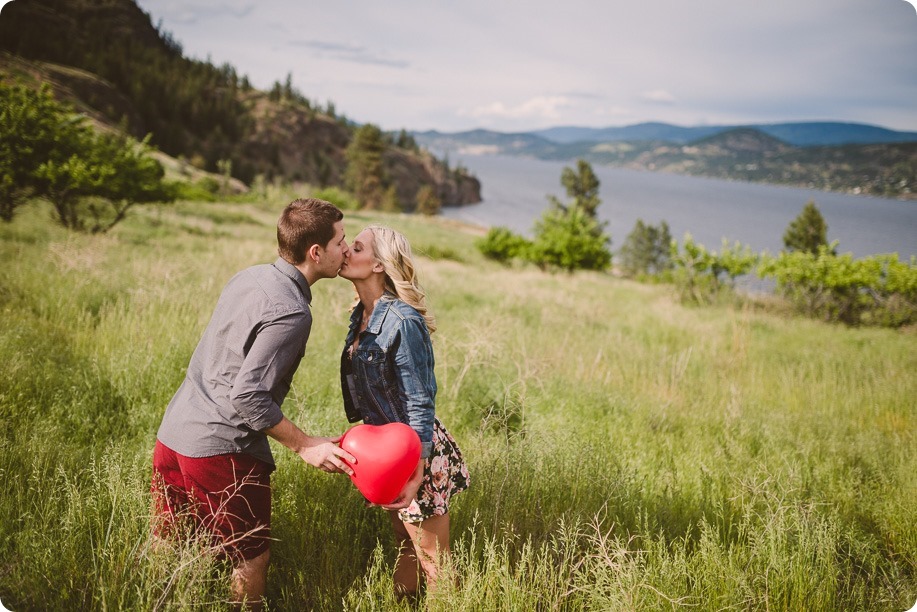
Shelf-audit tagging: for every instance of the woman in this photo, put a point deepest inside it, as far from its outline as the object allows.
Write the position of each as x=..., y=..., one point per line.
x=387, y=376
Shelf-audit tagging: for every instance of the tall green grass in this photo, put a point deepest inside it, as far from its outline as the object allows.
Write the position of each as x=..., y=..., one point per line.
x=626, y=452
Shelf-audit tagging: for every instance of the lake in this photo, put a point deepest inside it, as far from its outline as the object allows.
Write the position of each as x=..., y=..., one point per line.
x=515, y=190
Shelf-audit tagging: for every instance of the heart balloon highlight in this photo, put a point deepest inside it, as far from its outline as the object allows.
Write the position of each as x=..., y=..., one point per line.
x=387, y=456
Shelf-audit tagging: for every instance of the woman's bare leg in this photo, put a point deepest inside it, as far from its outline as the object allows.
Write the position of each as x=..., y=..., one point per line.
x=407, y=569
x=431, y=545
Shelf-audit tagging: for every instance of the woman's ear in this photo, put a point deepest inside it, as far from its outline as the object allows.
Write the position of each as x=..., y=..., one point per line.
x=378, y=267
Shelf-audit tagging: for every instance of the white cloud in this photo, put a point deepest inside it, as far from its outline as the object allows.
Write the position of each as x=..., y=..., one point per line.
x=540, y=107
x=658, y=96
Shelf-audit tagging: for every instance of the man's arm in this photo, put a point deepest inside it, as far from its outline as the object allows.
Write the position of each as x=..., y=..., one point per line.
x=323, y=453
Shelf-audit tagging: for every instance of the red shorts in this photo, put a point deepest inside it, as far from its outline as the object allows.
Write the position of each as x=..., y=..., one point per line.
x=228, y=495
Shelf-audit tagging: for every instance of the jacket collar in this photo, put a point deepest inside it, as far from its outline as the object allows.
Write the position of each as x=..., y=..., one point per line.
x=296, y=276
x=378, y=315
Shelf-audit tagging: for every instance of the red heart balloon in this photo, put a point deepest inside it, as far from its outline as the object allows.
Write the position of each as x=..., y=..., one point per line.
x=387, y=456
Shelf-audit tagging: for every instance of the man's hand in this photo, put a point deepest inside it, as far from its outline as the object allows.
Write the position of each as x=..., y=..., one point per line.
x=323, y=453
x=326, y=455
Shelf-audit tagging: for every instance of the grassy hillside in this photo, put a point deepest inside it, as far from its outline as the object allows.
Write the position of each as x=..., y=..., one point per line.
x=626, y=452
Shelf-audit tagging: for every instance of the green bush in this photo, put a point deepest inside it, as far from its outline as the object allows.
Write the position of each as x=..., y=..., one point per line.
x=337, y=196
x=501, y=244
x=700, y=275
x=203, y=190
x=570, y=239
x=878, y=290
x=91, y=178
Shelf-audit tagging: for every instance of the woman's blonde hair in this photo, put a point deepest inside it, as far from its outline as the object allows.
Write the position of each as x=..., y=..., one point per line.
x=393, y=251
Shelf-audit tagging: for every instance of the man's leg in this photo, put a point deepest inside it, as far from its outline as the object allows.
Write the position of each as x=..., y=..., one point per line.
x=248, y=581
x=233, y=494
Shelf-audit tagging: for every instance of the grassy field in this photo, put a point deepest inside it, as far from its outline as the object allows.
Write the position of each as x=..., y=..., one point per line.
x=627, y=452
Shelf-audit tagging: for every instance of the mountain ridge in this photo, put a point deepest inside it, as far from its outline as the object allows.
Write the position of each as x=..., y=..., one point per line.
x=800, y=134
x=743, y=153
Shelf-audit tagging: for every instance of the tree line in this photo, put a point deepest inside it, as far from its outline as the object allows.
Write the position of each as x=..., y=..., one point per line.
x=92, y=178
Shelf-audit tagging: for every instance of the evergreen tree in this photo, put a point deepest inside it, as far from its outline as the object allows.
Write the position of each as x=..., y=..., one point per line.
x=364, y=175
x=646, y=249
x=582, y=187
x=571, y=236
x=808, y=231
x=406, y=141
x=428, y=203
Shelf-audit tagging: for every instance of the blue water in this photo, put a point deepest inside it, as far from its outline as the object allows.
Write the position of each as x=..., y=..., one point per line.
x=515, y=190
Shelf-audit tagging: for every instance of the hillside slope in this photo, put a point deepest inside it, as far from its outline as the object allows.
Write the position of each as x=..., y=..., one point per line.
x=107, y=59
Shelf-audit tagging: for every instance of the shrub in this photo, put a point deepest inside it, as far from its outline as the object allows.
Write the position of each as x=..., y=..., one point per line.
x=501, y=244
x=699, y=273
x=570, y=239
x=878, y=290
x=91, y=179
x=340, y=198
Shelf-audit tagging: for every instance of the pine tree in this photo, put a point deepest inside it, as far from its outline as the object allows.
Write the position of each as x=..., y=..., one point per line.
x=365, y=176
x=646, y=249
x=582, y=187
x=428, y=203
x=808, y=231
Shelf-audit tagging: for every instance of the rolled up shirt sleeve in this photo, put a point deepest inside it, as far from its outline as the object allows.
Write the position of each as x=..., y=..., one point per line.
x=267, y=370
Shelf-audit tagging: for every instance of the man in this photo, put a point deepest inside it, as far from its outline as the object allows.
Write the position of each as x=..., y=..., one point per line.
x=212, y=456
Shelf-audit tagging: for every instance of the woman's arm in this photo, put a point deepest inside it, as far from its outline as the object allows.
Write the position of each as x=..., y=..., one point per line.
x=409, y=492
x=414, y=365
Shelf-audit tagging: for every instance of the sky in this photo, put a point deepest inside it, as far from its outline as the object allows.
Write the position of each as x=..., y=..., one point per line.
x=514, y=66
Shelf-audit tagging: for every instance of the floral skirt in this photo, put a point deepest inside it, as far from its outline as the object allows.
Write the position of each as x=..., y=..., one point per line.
x=444, y=475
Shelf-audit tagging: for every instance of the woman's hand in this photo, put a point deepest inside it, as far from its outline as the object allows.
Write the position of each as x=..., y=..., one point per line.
x=409, y=492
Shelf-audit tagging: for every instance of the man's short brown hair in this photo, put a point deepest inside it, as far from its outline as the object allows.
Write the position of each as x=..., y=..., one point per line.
x=303, y=223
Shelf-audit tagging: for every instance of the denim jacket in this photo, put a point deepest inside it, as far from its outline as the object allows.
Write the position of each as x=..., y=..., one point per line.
x=390, y=376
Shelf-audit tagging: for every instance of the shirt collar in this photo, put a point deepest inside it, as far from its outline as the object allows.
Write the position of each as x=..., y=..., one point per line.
x=296, y=276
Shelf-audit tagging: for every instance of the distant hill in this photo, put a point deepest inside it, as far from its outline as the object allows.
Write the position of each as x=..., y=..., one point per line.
x=797, y=134
x=739, y=153
x=107, y=59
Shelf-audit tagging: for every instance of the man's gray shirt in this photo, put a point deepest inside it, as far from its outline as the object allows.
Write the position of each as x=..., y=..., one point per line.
x=242, y=368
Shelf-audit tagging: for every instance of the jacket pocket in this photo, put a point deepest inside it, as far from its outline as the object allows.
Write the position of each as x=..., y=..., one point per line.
x=371, y=364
